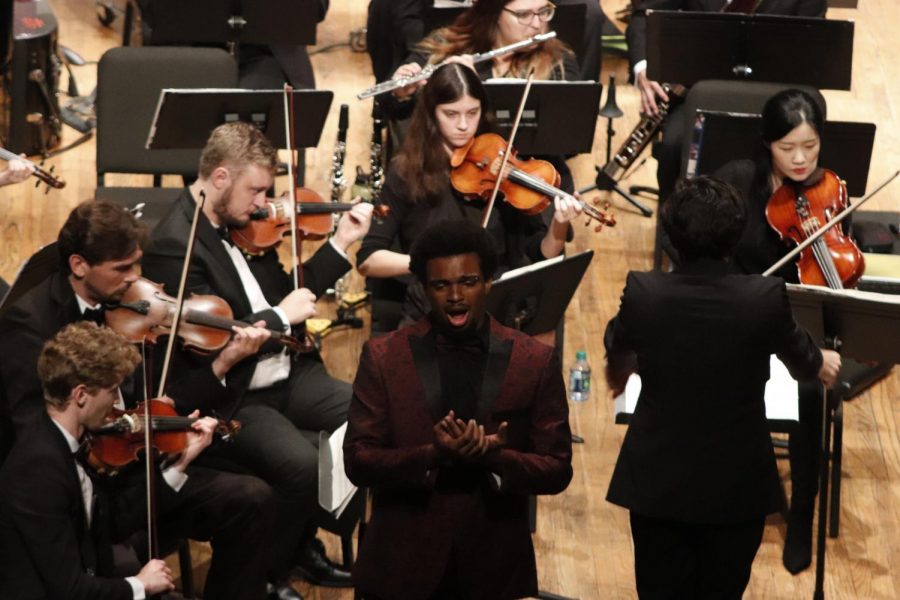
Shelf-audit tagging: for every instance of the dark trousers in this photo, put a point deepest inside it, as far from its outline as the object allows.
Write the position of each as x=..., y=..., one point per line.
x=235, y=513
x=804, y=445
x=677, y=560
x=278, y=443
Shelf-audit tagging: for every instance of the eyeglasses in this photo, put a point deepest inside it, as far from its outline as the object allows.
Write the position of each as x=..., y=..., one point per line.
x=524, y=17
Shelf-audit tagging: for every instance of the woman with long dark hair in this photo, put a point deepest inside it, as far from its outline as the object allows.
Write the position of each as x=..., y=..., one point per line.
x=792, y=124
x=449, y=113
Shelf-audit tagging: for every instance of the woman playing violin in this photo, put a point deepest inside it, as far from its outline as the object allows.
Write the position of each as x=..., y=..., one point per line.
x=418, y=190
x=792, y=123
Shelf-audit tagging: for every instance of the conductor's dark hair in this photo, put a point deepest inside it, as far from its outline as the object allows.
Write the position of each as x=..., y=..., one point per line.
x=99, y=231
x=451, y=238
x=704, y=218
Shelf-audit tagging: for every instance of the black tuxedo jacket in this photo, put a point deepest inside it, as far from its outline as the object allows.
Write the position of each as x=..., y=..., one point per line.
x=38, y=316
x=698, y=448
x=417, y=530
x=213, y=272
x=47, y=551
x=636, y=33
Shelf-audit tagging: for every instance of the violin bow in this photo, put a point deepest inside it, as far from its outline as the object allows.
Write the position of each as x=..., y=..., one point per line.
x=512, y=136
x=296, y=267
x=824, y=229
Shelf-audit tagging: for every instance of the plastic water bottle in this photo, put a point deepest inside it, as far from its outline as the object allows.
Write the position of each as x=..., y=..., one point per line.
x=580, y=378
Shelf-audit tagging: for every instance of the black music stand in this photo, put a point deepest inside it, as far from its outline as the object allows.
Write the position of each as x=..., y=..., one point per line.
x=558, y=119
x=534, y=299
x=234, y=22
x=185, y=118
x=568, y=22
x=686, y=47
x=846, y=146
x=860, y=325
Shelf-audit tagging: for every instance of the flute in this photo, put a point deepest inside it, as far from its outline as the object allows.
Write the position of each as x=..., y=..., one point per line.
x=425, y=73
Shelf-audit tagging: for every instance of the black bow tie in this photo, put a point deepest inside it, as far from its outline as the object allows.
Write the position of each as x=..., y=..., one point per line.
x=97, y=315
x=225, y=234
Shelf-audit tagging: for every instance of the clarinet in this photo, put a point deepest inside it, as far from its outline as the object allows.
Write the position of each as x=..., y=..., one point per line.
x=376, y=174
x=338, y=181
x=641, y=136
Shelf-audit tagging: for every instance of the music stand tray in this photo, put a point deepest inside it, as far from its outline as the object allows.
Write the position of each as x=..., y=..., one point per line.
x=534, y=299
x=559, y=116
x=846, y=146
x=687, y=47
x=185, y=117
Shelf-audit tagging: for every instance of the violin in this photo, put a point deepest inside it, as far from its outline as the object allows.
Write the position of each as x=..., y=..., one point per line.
x=528, y=185
x=797, y=211
x=313, y=216
x=145, y=312
x=120, y=440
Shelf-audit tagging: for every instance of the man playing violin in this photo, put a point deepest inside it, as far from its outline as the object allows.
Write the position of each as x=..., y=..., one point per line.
x=58, y=520
x=455, y=420
x=282, y=403
x=100, y=248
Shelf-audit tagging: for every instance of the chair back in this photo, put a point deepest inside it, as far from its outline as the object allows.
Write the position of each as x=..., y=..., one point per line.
x=129, y=81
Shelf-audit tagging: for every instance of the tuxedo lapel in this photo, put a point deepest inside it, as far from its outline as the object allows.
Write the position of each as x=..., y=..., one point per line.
x=499, y=352
x=424, y=353
x=209, y=242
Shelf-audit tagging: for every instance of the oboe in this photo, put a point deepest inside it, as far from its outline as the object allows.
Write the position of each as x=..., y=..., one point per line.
x=642, y=135
x=425, y=73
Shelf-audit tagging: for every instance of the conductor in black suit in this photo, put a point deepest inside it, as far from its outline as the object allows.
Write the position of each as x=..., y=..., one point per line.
x=280, y=396
x=697, y=469
x=57, y=520
x=669, y=151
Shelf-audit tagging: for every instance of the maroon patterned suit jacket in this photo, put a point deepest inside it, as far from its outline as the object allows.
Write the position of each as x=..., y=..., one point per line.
x=416, y=530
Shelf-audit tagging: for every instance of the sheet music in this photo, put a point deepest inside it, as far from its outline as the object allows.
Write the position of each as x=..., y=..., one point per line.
x=532, y=267
x=781, y=394
x=335, y=488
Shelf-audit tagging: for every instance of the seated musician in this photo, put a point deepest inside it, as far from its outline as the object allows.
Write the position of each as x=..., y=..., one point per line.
x=394, y=27
x=58, y=519
x=792, y=123
x=99, y=257
x=282, y=401
x=669, y=152
x=697, y=468
x=454, y=422
x=418, y=191
x=485, y=26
